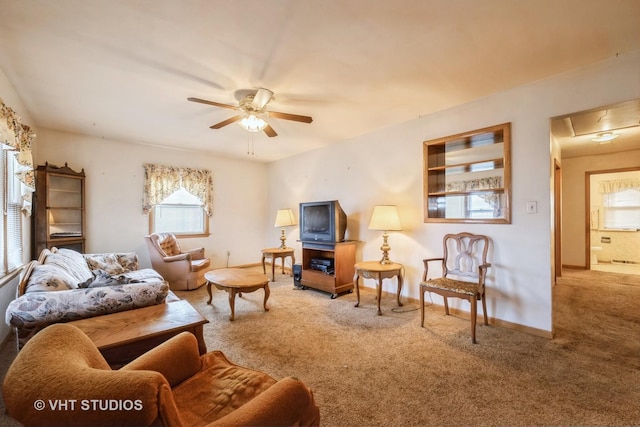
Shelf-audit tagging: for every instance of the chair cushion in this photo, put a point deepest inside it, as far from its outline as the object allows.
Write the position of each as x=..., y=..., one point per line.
x=199, y=264
x=218, y=389
x=168, y=244
x=447, y=284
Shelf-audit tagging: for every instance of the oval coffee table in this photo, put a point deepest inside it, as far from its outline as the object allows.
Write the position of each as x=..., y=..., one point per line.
x=236, y=281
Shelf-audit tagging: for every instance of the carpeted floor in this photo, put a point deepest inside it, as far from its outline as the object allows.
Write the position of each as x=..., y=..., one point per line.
x=369, y=370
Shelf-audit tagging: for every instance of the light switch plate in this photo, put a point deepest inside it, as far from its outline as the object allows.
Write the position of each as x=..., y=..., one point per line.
x=532, y=207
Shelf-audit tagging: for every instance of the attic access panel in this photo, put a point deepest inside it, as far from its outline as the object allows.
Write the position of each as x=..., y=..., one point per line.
x=619, y=116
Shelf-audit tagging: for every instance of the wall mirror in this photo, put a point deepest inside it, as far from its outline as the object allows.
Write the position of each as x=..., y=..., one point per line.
x=467, y=177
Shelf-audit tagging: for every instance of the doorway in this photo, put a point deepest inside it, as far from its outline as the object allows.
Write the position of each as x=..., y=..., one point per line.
x=612, y=234
x=585, y=143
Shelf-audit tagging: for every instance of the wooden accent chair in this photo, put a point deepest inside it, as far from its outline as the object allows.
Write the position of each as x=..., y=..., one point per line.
x=60, y=378
x=183, y=269
x=464, y=268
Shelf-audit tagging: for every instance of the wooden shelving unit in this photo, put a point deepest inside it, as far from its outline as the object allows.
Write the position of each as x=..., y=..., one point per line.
x=58, y=209
x=467, y=177
x=343, y=255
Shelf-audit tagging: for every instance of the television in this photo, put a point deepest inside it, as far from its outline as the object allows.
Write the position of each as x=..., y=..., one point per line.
x=322, y=222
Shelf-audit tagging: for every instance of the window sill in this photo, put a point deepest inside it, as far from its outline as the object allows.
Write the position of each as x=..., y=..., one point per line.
x=10, y=276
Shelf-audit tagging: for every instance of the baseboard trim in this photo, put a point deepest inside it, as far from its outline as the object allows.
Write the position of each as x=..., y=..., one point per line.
x=492, y=320
x=574, y=267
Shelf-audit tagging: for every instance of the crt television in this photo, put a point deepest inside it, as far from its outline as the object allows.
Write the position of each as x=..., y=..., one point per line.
x=323, y=222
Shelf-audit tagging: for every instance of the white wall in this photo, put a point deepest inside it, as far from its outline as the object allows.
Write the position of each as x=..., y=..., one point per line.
x=115, y=221
x=385, y=167
x=573, y=205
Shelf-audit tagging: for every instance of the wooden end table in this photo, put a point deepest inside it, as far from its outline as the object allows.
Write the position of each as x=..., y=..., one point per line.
x=123, y=336
x=376, y=270
x=236, y=281
x=275, y=253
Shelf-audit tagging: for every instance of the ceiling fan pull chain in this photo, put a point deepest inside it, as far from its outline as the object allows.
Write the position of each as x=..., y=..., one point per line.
x=250, y=150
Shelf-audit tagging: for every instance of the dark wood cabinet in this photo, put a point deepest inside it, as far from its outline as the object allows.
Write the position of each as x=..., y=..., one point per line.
x=58, y=209
x=341, y=259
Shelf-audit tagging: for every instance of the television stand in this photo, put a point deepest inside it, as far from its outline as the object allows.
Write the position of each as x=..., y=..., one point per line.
x=340, y=280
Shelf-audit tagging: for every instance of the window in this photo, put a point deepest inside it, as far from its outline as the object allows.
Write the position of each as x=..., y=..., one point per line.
x=181, y=213
x=10, y=202
x=178, y=200
x=479, y=207
x=622, y=210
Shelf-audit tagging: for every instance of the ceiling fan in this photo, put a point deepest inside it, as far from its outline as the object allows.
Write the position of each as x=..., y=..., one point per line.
x=253, y=108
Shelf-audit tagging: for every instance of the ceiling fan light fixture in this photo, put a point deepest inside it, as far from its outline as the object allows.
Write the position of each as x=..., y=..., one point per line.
x=252, y=123
x=605, y=137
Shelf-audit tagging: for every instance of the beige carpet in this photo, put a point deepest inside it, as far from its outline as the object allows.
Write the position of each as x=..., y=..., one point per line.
x=369, y=370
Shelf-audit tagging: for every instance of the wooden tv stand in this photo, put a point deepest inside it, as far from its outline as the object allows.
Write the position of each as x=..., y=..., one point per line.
x=343, y=255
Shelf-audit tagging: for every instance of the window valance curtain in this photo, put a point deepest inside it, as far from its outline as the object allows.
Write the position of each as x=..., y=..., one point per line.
x=17, y=136
x=476, y=184
x=161, y=181
x=618, y=185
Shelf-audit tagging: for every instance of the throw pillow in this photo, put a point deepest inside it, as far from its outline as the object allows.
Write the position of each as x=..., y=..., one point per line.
x=106, y=262
x=45, y=278
x=102, y=278
x=71, y=261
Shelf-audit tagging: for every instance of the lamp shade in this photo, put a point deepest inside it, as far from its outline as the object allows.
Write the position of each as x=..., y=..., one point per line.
x=385, y=218
x=284, y=218
x=252, y=123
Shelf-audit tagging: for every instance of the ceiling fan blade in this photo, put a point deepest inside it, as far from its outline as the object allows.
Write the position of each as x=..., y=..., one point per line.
x=226, y=122
x=287, y=116
x=261, y=98
x=270, y=132
x=215, y=104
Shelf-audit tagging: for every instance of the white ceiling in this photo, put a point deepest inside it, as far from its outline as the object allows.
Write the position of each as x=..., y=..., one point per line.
x=123, y=69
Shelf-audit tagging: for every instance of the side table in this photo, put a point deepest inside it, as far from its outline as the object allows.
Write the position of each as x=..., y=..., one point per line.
x=274, y=254
x=376, y=270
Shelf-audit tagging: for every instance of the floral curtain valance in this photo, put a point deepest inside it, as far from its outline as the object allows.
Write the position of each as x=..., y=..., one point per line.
x=161, y=181
x=17, y=136
x=476, y=184
x=618, y=185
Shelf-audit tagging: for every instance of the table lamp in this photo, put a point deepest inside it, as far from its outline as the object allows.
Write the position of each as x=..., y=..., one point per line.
x=284, y=218
x=385, y=218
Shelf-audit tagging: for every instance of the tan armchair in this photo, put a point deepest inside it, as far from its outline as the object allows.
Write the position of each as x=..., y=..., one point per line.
x=60, y=378
x=184, y=270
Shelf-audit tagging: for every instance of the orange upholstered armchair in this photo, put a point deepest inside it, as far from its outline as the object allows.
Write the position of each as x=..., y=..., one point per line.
x=60, y=378
x=184, y=270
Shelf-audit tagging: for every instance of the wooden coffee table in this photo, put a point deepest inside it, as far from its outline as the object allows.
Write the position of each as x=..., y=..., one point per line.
x=123, y=336
x=236, y=281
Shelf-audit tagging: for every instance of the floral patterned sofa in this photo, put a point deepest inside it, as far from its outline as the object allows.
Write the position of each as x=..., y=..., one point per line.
x=64, y=285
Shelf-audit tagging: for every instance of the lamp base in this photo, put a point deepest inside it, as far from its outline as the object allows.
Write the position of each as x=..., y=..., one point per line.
x=283, y=240
x=385, y=248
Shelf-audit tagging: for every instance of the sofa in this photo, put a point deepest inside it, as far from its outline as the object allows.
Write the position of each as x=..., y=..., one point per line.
x=170, y=385
x=183, y=268
x=63, y=285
